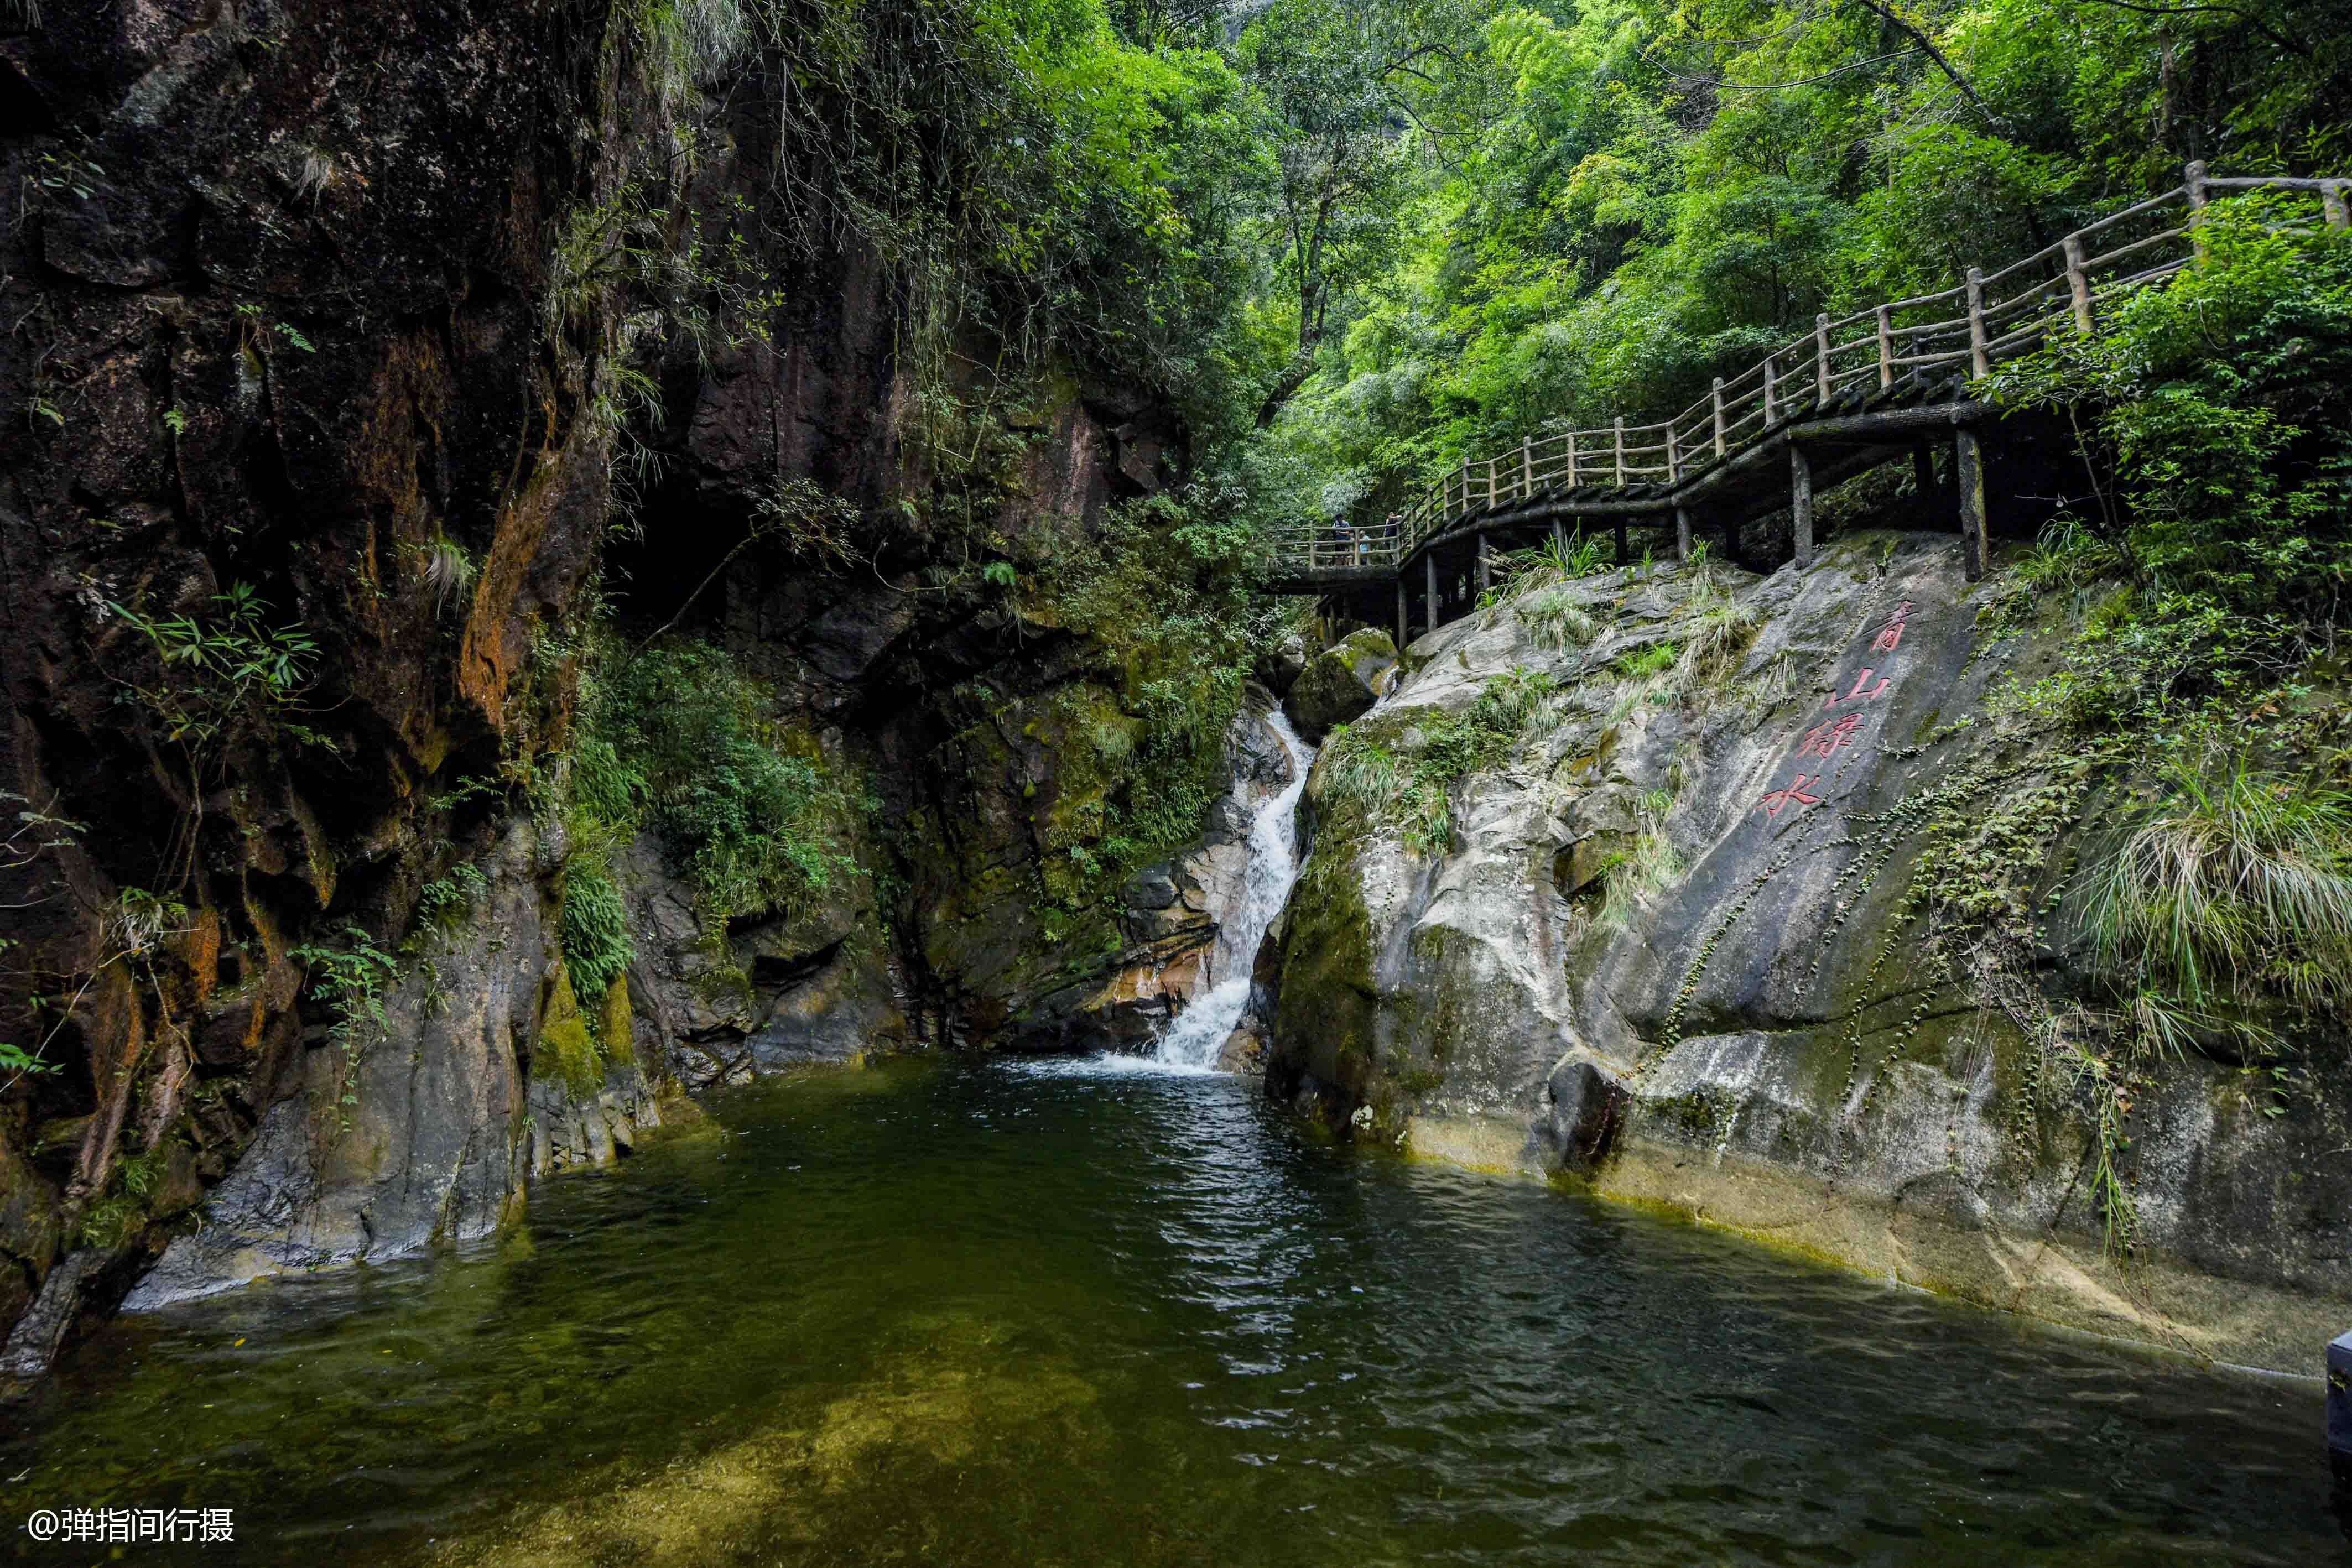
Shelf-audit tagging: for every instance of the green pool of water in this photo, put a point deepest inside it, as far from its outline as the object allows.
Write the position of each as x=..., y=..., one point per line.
x=1064, y=1314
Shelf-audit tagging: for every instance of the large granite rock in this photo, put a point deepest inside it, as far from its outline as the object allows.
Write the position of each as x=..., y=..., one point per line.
x=1675, y=943
x=1279, y=667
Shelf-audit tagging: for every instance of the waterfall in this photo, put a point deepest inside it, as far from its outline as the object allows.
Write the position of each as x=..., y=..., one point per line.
x=1199, y=1032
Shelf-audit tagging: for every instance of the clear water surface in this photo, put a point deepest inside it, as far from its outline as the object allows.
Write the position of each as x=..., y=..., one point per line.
x=1079, y=1315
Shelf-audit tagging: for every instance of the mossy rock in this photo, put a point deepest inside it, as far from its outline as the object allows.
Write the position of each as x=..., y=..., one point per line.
x=1327, y=1018
x=567, y=1051
x=614, y=1028
x=1342, y=683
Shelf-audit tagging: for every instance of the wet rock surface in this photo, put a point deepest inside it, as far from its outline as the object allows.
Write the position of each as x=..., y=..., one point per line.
x=1752, y=1023
x=424, y=1127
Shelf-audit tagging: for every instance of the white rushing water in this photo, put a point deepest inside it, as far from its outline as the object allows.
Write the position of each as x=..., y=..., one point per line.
x=1200, y=1030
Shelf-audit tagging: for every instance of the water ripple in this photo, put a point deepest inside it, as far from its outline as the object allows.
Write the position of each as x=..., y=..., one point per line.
x=1106, y=1311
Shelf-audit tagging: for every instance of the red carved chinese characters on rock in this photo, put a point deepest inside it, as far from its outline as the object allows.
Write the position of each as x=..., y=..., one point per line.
x=1858, y=694
x=1793, y=795
x=1825, y=740
x=1832, y=736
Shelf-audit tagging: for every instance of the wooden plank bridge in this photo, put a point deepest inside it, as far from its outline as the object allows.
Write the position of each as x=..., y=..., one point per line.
x=1885, y=384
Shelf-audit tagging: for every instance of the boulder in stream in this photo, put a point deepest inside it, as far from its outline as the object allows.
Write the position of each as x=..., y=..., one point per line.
x=1342, y=683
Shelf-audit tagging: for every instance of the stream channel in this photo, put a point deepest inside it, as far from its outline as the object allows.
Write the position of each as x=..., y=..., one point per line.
x=1092, y=1313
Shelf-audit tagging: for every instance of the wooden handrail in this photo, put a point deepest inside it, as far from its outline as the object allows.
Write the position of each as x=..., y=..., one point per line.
x=1995, y=320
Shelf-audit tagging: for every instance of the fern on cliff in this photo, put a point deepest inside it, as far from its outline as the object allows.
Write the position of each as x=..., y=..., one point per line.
x=677, y=739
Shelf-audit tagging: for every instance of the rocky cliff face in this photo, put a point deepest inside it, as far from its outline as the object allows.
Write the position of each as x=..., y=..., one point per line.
x=1697, y=930
x=314, y=400
x=428, y=1129
x=291, y=479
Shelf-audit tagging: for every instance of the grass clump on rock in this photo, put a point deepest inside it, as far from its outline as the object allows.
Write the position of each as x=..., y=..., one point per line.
x=1371, y=781
x=2231, y=890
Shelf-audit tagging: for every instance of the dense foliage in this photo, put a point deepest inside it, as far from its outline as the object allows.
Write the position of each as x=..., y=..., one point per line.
x=2220, y=404
x=1164, y=598
x=1357, y=240
x=674, y=740
x=1395, y=232
x=1612, y=203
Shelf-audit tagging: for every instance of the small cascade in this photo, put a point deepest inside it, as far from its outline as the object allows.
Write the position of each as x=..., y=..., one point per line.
x=1199, y=1032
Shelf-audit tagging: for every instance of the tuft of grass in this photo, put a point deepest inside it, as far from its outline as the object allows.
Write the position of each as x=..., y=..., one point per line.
x=1573, y=555
x=1640, y=665
x=1710, y=631
x=1555, y=561
x=447, y=570
x=1359, y=775
x=1410, y=793
x=1715, y=626
x=1554, y=619
x=2233, y=886
x=1632, y=878
x=2066, y=556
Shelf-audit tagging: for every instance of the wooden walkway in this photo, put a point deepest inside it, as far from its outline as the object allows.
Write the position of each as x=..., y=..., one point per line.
x=1883, y=385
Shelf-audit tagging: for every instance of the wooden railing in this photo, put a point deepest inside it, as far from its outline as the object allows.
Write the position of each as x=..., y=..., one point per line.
x=1964, y=329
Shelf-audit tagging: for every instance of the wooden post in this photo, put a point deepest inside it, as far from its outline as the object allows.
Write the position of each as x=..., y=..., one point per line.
x=1885, y=350
x=1682, y=533
x=1527, y=466
x=1490, y=484
x=1620, y=451
x=1769, y=412
x=1400, y=607
x=1485, y=572
x=1558, y=540
x=2198, y=196
x=1822, y=355
x=1625, y=551
x=2078, y=283
x=1428, y=577
x=2331, y=198
x=1968, y=468
x=1980, y=359
x=1673, y=457
x=1571, y=460
x=1719, y=417
x=1801, y=503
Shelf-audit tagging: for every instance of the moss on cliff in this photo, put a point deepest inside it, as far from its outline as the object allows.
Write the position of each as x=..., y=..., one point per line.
x=1328, y=1018
x=566, y=1050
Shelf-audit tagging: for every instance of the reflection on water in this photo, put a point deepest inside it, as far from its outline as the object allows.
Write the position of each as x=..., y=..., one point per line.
x=1105, y=1314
